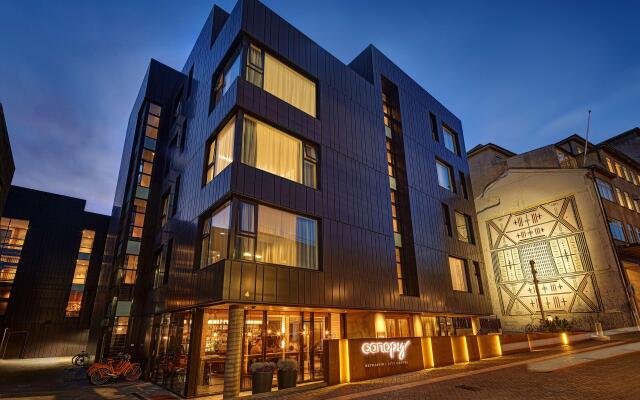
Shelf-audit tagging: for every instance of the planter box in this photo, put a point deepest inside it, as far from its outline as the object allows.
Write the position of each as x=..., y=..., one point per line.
x=261, y=382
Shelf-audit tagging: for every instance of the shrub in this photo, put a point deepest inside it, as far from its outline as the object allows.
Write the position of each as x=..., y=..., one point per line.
x=262, y=367
x=287, y=364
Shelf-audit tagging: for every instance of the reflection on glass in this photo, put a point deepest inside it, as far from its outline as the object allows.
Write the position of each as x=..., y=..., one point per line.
x=215, y=328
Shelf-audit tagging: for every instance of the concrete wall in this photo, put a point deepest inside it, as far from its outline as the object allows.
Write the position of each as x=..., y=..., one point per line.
x=554, y=217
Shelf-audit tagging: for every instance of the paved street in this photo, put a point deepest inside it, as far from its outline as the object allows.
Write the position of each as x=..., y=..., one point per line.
x=501, y=378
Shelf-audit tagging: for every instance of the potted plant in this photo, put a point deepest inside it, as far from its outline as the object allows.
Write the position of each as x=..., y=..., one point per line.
x=261, y=376
x=287, y=373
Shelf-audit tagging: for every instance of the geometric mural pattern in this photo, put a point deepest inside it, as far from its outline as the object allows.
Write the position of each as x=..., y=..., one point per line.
x=552, y=235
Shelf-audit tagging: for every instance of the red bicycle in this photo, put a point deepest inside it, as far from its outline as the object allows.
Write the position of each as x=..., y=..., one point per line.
x=101, y=373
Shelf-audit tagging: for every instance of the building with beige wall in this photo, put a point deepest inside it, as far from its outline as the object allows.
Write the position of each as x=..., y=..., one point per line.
x=577, y=218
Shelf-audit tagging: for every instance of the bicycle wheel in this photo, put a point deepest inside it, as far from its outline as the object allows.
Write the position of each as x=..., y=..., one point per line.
x=134, y=373
x=100, y=376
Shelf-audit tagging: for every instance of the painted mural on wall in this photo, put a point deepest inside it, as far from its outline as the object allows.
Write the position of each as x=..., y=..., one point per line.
x=552, y=235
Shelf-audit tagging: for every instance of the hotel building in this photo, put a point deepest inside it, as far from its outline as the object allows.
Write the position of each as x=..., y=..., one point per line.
x=576, y=217
x=271, y=196
x=50, y=257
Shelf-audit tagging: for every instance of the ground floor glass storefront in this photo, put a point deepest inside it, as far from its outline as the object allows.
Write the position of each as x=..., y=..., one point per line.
x=188, y=349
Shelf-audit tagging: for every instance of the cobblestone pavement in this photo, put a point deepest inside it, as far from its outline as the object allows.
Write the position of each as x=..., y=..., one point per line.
x=499, y=378
x=590, y=381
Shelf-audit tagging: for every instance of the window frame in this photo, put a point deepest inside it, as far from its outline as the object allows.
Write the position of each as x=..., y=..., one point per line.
x=433, y=120
x=218, y=78
x=450, y=171
x=447, y=131
x=213, y=139
x=617, y=224
x=600, y=184
x=465, y=271
x=206, y=217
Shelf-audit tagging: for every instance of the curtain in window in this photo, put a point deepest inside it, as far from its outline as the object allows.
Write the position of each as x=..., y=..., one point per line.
x=276, y=237
x=273, y=151
x=288, y=85
x=458, y=274
x=224, y=155
x=307, y=249
x=286, y=239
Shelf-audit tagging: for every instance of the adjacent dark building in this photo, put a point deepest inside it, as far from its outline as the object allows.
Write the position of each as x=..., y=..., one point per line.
x=270, y=197
x=50, y=257
x=7, y=166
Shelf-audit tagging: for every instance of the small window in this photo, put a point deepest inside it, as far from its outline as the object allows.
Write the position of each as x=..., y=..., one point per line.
x=464, y=227
x=627, y=197
x=444, y=175
x=463, y=185
x=220, y=151
x=617, y=231
x=450, y=139
x=164, y=217
x=214, y=238
x=610, y=165
x=605, y=190
x=222, y=82
x=183, y=135
x=478, y=273
x=619, y=170
x=434, y=127
x=630, y=234
x=157, y=269
x=620, y=197
x=459, y=276
x=176, y=194
x=447, y=219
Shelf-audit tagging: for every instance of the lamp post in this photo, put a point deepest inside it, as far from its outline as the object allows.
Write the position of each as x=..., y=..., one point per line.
x=534, y=273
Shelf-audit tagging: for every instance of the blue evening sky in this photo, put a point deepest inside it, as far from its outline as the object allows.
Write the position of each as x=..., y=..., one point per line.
x=517, y=74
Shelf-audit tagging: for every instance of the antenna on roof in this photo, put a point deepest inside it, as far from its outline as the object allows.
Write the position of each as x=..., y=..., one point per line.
x=586, y=140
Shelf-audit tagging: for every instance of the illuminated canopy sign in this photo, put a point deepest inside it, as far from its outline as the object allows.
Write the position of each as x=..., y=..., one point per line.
x=391, y=348
x=376, y=357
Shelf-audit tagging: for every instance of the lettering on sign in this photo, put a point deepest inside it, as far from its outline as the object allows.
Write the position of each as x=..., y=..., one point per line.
x=391, y=348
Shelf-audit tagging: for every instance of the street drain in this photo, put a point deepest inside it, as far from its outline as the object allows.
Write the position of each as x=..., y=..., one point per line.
x=466, y=387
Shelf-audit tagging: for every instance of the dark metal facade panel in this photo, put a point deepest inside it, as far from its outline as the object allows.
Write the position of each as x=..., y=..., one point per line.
x=7, y=166
x=41, y=288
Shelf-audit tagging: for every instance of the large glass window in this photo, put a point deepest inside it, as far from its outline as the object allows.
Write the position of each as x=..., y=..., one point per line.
x=213, y=351
x=220, y=151
x=276, y=152
x=617, y=231
x=281, y=81
x=605, y=190
x=215, y=236
x=281, y=238
x=444, y=175
x=459, y=276
x=450, y=139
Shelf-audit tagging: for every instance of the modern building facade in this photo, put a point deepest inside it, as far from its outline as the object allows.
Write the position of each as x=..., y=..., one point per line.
x=271, y=197
x=576, y=217
x=7, y=167
x=50, y=257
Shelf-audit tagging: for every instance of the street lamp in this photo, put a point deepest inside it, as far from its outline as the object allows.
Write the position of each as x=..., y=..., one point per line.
x=534, y=273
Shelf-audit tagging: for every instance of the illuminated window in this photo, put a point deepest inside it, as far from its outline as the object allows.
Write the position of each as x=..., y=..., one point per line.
x=610, y=165
x=617, y=231
x=464, y=227
x=12, y=236
x=619, y=170
x=620, y=197
x=280, y=238
x=220, y=151
x=399, y=274
x=450, y=139
x=444, y=175
x=74, y=304
x=605, y=190
x=223, y=81
x=459, y=275
x=275, y=77
x=627, y=197
x=269, y=149
x=214, y=238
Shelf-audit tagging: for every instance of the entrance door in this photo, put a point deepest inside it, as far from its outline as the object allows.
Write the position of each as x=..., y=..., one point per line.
x=16, y=342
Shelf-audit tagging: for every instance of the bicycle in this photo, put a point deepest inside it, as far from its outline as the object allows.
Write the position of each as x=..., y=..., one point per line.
x=80, y=359
x=101, y=373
